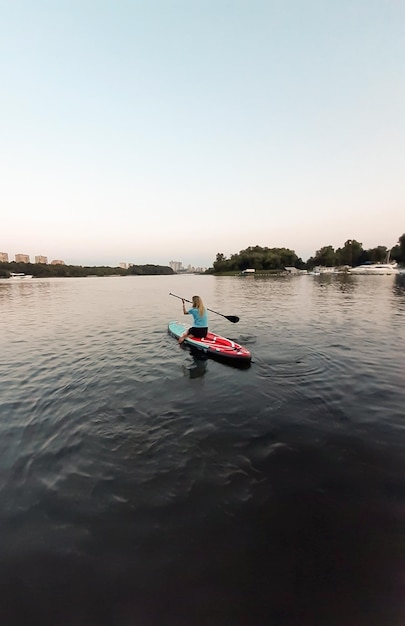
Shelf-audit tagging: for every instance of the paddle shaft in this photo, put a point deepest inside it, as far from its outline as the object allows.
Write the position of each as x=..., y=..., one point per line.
x=231, y=318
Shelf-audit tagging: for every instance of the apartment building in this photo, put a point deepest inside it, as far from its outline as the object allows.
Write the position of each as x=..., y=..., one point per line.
x=3, y=257
x=41, y=259
x=22, y=258
x=176, y=266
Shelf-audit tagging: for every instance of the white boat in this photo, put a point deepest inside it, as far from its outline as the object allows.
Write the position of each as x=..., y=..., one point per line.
x=387, y=267
x=375, y=268
x=19, y=275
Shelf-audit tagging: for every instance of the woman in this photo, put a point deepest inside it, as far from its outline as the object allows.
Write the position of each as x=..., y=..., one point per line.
x=200, y=317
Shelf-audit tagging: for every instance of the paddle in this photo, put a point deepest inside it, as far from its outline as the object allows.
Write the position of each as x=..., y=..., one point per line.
x=231, y=318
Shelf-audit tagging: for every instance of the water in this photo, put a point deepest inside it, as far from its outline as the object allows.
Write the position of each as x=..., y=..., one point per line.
x=142, y=486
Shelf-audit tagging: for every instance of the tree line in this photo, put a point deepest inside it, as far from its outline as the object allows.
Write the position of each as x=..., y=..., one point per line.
x=351, y=253
x=43, y=270
x=259, y=258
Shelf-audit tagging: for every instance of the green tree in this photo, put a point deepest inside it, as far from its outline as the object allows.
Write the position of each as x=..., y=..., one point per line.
x=258, y=258
x=220, y=264
x=350, y=254
x=378, y=254
x=149, y=270
x=325, y=256
x=398, y=253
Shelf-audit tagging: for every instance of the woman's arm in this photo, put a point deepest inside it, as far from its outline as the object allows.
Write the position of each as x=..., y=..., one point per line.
x=184, y=309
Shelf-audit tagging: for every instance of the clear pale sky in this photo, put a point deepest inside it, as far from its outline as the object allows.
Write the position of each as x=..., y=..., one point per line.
x=146, y=131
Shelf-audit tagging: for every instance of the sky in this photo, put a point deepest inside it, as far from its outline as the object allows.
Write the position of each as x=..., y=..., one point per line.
x=157, y=130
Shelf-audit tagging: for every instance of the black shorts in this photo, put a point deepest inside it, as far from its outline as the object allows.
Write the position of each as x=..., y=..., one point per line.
x=198, y=332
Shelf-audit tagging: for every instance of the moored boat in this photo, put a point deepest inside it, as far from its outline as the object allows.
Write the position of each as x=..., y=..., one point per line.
x=220, y=348
x=375, y=268
x=19, y=275
x=387, y=267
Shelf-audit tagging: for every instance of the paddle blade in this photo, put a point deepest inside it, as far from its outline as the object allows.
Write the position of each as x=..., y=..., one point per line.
x=232, y=318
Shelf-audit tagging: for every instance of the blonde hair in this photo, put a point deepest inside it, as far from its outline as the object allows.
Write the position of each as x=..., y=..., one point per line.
x=198, y=304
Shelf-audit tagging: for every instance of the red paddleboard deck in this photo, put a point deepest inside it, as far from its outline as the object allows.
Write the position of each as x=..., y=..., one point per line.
x=213, y=345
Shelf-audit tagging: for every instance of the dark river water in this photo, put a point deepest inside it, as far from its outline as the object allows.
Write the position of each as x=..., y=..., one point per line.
x=140, y=486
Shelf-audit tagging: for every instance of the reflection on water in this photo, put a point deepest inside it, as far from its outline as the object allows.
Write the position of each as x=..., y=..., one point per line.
x=399, y=284
x=198, y=365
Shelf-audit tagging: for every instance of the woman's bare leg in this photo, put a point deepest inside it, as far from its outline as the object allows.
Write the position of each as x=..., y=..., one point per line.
x=183, y=337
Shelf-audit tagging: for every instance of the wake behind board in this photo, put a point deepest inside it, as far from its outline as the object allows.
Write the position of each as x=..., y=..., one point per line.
x=213, y=345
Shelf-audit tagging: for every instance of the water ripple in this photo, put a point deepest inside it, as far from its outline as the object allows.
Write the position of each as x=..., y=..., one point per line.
x=138, y=479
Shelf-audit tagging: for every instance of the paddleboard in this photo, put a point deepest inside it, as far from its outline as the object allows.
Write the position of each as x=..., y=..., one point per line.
x=213, y=345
